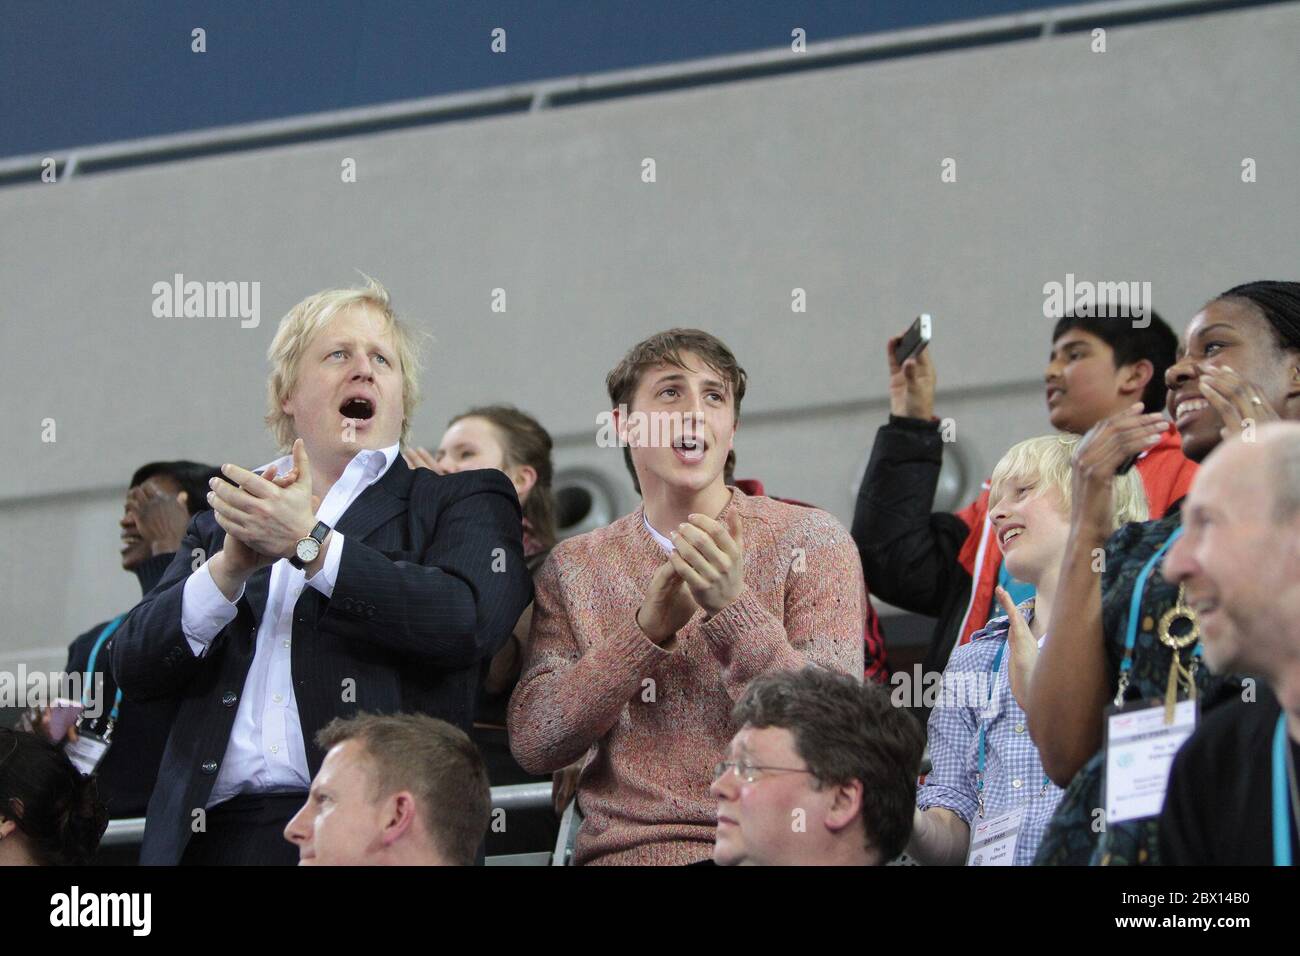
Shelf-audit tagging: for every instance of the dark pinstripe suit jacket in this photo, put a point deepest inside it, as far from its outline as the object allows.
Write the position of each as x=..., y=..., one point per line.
x=422, y=596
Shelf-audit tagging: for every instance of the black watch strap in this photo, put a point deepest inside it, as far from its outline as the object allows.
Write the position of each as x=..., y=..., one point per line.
x=319, y=533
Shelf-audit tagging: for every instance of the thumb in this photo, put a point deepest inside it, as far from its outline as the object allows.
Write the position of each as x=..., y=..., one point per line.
x=315, y=503
x=1020, y=639
x=660, y=579
x=300, y=462
x=735, y=527
x=1009, y=606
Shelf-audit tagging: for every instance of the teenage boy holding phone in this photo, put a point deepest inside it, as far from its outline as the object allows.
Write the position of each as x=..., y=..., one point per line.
x=948, y=566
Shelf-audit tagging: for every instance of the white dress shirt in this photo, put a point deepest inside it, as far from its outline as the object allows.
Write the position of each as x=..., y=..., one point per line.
x=266, y=753
x=664, y=542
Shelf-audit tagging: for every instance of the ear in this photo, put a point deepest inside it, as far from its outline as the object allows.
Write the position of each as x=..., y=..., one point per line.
x=7, y=827
x=620, y=423
x=399, y=817
x=524, y=478
x=846, y=805
x=1293, y=383
x=1135, y=376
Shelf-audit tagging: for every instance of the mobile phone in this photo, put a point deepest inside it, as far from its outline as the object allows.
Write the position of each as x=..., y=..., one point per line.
x=63, y=714
x=915, y=339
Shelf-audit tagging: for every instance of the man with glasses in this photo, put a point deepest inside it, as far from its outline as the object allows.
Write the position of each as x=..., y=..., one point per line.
x=821, y=772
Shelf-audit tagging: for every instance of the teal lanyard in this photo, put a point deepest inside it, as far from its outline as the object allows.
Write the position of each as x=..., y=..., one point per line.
x=979, y=773
x=104, y=635
x=1281, y=798
x=1134, y=609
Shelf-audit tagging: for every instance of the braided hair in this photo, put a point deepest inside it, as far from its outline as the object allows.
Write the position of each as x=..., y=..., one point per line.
x=1278, y=302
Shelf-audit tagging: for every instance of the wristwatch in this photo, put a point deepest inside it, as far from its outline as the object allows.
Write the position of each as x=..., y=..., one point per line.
x=306, y=550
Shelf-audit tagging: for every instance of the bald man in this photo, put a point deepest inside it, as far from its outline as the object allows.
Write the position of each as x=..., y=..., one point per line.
x=1232, y=795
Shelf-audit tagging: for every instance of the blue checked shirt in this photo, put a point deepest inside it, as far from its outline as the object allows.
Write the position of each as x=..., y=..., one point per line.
x=1013, y=774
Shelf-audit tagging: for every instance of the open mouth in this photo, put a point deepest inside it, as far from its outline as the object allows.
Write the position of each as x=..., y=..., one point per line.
x=1054, y=392
x=1012, y=532
x=358, y=408
x=1189, y=407
x=690, y=450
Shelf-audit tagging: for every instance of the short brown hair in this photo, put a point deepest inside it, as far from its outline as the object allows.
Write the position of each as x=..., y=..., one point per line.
x=667, y=348
x=436, y=762
x=846, y=730
x=525, y=442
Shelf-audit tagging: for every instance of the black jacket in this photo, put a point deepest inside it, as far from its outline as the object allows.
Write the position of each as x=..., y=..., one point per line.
x=431, y=581
x=126, y=774
x=909, y=553
x=1218, y=810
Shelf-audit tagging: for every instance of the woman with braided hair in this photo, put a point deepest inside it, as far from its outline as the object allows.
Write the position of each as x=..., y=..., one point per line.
x=1238, y=366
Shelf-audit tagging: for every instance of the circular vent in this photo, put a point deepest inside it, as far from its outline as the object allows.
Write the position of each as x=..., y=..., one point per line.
x=951, y=491
x=584, y=501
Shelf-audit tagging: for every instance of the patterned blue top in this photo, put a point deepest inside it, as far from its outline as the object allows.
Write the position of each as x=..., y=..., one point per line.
x=1013, y=774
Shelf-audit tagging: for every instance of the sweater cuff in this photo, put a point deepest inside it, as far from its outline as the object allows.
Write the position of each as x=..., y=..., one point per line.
x=744, y=617
x=634, y=650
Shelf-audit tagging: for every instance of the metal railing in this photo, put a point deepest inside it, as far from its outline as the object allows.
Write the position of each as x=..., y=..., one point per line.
x=521, y=796
x=578, y=90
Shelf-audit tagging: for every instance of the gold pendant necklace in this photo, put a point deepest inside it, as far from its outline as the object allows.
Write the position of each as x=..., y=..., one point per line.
x=1177, y=673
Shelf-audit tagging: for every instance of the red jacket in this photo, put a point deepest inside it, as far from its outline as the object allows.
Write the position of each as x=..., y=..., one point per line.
x=1166, y=475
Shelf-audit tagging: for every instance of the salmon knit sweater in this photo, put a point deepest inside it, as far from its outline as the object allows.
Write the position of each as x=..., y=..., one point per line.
x=659, y=720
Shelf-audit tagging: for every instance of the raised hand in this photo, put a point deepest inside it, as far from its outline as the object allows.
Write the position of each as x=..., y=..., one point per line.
x=1097, y=458
x=667, y=606
x=241, y=559
x=419, y=458
x=1022, y=651
x=912, y=384
x=1236, y=400
x=710, y=558
x=160, y=517
x=267, y=518
x=1112, y=441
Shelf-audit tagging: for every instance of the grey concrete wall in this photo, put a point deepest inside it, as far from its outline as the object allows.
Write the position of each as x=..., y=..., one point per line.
x=1119, y=165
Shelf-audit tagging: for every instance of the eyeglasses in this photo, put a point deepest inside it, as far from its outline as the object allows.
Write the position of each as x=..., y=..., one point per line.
x=749, y=772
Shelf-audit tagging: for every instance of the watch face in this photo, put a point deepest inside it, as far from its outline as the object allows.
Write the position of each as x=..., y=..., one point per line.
x=307, y=550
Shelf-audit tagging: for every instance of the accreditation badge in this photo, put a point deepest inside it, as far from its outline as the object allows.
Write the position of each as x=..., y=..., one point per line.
x=1140, y=749
x=993, y=841
x=87, y=751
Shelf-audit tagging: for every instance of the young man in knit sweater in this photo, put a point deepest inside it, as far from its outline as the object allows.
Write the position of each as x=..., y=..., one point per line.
x=647, y=632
